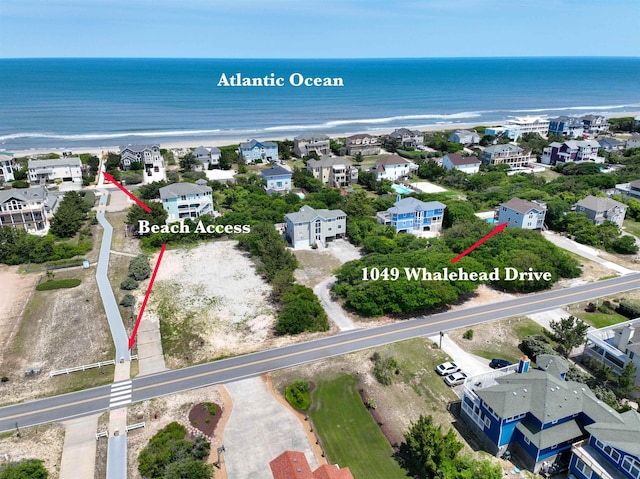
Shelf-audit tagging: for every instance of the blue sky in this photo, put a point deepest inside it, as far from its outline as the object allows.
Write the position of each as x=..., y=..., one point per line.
x=318, y=28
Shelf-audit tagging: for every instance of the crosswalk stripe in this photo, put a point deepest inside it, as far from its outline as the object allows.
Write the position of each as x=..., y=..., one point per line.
x=121, y=403
x=121, y=388
x=117, y=397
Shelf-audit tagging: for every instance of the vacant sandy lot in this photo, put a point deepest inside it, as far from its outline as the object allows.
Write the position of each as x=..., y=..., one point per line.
x=60, y=328
x=14, y=293
x=213, y=290
x=42, y=442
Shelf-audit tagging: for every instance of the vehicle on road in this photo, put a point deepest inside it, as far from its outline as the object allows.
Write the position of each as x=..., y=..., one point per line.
x=447, y=368
x=497, y=363
x=455, y=379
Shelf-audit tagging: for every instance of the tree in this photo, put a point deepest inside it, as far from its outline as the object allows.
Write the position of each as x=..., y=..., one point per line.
x=25, y=469
x=357, y=158
x=158, y=215
x=301, y=311
x=626, y=379
x=68, y=219
x=188, y=161
x=228, y=156
x=569, y=332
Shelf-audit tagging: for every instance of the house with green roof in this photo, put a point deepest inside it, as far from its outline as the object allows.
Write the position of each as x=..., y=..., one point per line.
x=543, y=419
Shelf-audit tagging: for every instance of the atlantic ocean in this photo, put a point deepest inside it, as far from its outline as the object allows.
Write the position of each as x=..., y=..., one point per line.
x=55, y=103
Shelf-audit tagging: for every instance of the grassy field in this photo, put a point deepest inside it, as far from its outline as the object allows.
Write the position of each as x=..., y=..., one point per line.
x=348, y=432
x=632, y=227
x=598, y=319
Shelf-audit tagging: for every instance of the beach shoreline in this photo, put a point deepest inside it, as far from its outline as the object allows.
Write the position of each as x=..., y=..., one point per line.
x=233, y=140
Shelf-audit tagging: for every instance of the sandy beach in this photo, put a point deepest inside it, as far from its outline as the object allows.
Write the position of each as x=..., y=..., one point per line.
x=223, y=141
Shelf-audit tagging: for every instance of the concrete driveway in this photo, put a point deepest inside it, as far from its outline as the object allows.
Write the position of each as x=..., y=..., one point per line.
x=333, y=309
x=259, y=430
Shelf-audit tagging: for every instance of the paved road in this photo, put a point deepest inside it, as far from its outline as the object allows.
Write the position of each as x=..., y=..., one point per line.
x=169, y=382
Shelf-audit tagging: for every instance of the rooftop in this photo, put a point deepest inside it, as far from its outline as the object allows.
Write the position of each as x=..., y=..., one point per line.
x=307, y=214
x=247, y=145
x=74, y=161
x=410, y=204
x=176, y=190
x=275, y=171
x=326, y=161
x=459, y=160
x=597, y=203
x=524, y=206
x=138, y=148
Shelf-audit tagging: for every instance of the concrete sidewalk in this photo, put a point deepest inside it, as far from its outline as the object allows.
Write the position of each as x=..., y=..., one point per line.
x=79, y=451
x=470, y=363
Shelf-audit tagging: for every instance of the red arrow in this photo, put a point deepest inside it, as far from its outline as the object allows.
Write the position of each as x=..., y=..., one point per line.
x=498, y=229
x=126, y=191
x=132, y=339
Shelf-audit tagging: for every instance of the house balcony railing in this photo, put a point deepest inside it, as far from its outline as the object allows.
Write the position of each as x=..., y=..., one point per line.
x=595, y=461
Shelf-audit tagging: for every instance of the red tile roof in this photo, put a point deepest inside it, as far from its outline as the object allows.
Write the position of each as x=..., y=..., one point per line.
x=294, y=465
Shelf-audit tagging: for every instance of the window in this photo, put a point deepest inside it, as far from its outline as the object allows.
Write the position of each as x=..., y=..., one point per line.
x=526, y=440
x=583, y=468
x=632, y=466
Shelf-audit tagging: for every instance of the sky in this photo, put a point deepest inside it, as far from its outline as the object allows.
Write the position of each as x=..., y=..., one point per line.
x=318, y=28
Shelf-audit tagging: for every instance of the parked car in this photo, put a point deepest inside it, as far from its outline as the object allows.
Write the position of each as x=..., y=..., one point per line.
x=455, y=379
x=499, y=363
x=447, y=368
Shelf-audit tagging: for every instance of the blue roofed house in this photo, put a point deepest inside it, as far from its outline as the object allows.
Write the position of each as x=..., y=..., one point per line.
x=538, y=416
x=278, y=180
x=254, y=151
x=412, y=215
x=186, y=200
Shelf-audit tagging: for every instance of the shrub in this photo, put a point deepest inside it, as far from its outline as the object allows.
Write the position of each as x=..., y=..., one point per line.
x=20, y=184
x=384, y=369
x=139, y=268
x=297, y=394
x=127, y=301
x=468, y=334
x=628, y=309
x=532, y=346
x=58, y=284
x=211, y=407
x=129, y=284
x=591, y=308
x=4, y=379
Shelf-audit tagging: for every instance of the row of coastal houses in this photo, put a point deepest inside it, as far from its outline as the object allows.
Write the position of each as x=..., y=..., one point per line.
x=572, y=127
x=550, y=423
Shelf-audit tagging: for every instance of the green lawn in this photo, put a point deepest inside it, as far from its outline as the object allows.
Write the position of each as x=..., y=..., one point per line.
x=600, y=320
x=632, y=227
x=349, y=434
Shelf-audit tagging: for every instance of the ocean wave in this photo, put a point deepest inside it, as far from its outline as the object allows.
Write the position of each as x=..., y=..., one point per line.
x=105, y=136
x=578, y=108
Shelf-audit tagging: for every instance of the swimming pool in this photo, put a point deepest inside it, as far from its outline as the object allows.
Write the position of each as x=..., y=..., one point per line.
x=401, y=189
x=491, y=221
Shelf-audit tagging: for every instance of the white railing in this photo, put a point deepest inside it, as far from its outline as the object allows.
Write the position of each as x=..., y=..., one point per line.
x=81, y=368
x=102, y=434
x=137, y=425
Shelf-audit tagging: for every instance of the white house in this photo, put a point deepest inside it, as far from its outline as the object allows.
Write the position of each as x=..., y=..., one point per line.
x=468, y=164
x=393, y=167
x=48, y=171
x=207, y=155
x=599, y=210
x=186, y=200
x=405, y=138
x=465, y=137
x=7, y=166
x=310, y=227
x=633, y=141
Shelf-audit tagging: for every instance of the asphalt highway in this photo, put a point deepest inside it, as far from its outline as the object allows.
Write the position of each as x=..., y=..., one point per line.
x=168, y=382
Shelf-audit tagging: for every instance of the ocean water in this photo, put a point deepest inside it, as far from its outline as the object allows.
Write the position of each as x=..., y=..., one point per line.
x=103, y=102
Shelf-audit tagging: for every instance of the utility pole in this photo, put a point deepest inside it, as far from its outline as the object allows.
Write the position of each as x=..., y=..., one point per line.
x=441, y=334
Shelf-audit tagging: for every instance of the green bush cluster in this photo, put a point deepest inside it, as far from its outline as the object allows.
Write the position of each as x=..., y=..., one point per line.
x=18, y=247
x=301, y=311
x=58, y=284
x=24, y=469
x=297, y=394
x=127, y=300
x=70, y=215
x=468, y=334
x=170, y=455
x=139, y=268
x=211, y=407
x=533, y=346
x=129, y=284
x=628, y=309
x=384, y=368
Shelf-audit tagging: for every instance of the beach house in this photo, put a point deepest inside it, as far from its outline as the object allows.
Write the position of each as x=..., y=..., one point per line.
x=410, y=215
x=569, y=126
x=311, y=143
x=27, y=208
x=595, y=124
x=207, y=155
x=147, y=155
x=599, y=210
x=455, y=161
x=393, y=167
x=610, y=144
x=508, y=154
x=572, y=150
x=631, y=189
x=7, y=166
x=405, y=138
x=364, y=144
x=49, y=171
x=277, y=180
x=254, y=151
x=309, y=227
x=522, y=214
x=633, y=141
x=550, y=423
x=616, y=346
x=466, y=137
x=186, y=200
x=333, y=171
